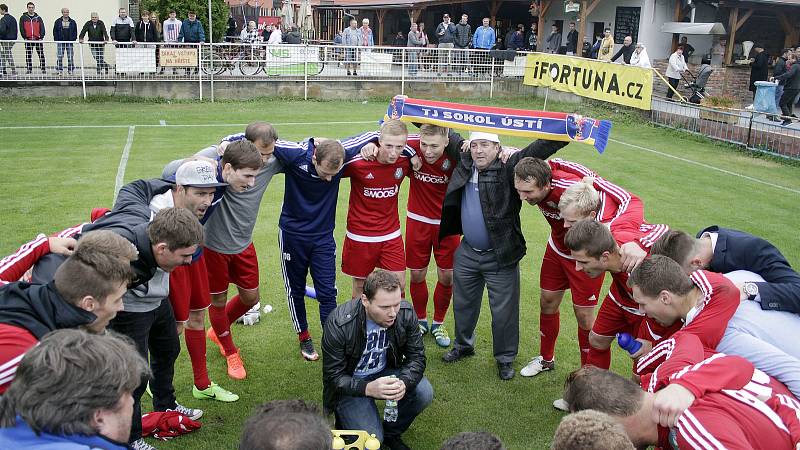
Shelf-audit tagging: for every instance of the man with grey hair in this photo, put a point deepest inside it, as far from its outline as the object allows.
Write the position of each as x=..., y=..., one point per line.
x=98, y=36
x=481, y=204
x=99, y=372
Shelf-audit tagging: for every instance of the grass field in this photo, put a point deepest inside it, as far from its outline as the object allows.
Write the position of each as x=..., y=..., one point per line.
x=55, y=168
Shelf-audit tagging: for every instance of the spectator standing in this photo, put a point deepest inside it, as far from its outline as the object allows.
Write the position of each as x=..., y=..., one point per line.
x=586, y=51
x=572, y=40
x=72, y=391
x=778, y=69
x=391, y=367
x=249, y=35
x=606, y=46
x=639, y=58
x=172, y=28
x=31, y=27
x=65, y=32
x=265, y=35
x=554, y=40
x=688, y=50
x=626, y=51
x=123, y=28
x=351, y=38
x=156, y=23
x=8, y=32
x=759, y=67
x=461, y=41
x=399, y=40
x=415, y=41
x=791, y=88
x=293, y=36
x=276, y=36
x=192, y=33
x=531, y=38
x=145, y=32
x=230, y=30
x=484, y=39
x=96, y=30
x=676, y=67
x=595, y=50
x=445, y=32
x=367, y=39
x=517, y=39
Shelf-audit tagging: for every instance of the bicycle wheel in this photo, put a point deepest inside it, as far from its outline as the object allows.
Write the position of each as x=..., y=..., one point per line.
x=249, y=68
x=219, y=63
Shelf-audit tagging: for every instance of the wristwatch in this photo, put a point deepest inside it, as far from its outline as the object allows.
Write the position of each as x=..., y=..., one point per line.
x=751, y=289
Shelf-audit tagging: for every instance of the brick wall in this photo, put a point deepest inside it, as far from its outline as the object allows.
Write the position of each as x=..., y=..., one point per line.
x=730, y=80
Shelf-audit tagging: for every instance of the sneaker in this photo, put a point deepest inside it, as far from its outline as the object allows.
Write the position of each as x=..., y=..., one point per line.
x=236, y=367
x=561, y=405
x=214, y=392
x=140, y=444
x=441, y=336
x=423, y=327
x=307, y=350
x=536, y=366
x=786, y=122
x=212, y=336
x=191, y=413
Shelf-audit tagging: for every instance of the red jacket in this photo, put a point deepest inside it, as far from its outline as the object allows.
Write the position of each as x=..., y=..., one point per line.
x=31, y=27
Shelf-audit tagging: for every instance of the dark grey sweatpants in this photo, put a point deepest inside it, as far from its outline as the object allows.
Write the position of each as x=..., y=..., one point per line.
x=472, y=271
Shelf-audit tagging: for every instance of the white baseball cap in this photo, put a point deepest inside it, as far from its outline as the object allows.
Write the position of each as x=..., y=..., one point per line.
x=480, y=135
x=197, y=174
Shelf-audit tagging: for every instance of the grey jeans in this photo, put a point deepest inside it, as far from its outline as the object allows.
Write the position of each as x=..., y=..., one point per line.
x=6, y=59
x=471, y=272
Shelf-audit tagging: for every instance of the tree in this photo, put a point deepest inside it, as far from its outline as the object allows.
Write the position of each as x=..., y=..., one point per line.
x=219, y=12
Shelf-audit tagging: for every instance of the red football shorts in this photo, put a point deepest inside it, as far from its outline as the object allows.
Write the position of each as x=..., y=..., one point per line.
x=359, y=259
x=613, y=319
x=558, y=273
x=188, y=288
x=421, y=237
x=240, y=269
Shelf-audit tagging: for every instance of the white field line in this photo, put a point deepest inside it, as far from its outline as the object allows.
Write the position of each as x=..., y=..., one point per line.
x=708, y=166
x=58, y=127
x=123, y=162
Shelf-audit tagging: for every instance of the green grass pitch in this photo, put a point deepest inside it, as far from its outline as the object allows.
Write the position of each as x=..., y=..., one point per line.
x=52, y=177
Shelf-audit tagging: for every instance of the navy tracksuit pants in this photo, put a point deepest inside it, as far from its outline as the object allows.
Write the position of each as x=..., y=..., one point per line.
x=301, y=254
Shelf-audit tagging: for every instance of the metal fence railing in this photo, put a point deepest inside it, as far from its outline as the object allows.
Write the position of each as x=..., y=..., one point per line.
x=750, y=129
x=92, y=63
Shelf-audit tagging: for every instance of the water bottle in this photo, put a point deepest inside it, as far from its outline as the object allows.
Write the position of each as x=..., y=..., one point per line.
x=390, y=410
x=628, y=343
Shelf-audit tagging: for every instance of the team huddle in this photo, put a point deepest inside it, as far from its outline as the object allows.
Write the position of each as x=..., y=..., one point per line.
x=711, y=315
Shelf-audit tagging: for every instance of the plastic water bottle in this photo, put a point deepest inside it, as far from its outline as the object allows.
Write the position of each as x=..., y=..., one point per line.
x=628, y=343
x=390, y=410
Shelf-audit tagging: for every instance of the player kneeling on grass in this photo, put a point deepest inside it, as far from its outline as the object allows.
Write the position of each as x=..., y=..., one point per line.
x=372, y=349
x=72, y=391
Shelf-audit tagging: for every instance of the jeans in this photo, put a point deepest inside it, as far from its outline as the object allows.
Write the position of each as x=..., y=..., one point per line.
x=70, y=51
x=413, y=58
x=98, y=53
x=445, y=57
x=29, y=48
x=155, y=334
x=361, y=413
x=6, y=59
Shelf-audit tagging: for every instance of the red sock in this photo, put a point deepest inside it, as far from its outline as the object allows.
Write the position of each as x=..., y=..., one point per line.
x=419, y=296
x=196, y=345
x=235, y=308
x=583, y=344
x=548, y=329
x=222, y=328
x=441, y=301
x=599, y=358
x=303, y=335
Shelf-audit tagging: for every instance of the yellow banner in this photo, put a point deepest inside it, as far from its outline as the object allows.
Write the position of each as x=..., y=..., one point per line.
x=615, y=83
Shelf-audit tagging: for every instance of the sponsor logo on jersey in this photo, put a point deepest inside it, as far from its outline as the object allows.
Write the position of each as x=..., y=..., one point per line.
x=370, y=176
x=552, y=204
x=381, y=192
x=398, y=173
x=304, y=167
x=433, y=179
x=446, y=164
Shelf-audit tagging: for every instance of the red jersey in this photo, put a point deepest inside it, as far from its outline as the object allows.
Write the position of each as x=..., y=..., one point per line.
x=428, y=187
x=14, y=266
x=736, y=406
x=374, y=191
x=707, y=320
x=618, y=208
x=619, y=292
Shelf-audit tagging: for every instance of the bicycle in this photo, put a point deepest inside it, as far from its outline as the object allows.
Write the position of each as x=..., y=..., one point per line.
x=225, y=58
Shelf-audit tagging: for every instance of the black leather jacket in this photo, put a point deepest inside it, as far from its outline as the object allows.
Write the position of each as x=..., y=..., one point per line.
x=343, y=343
